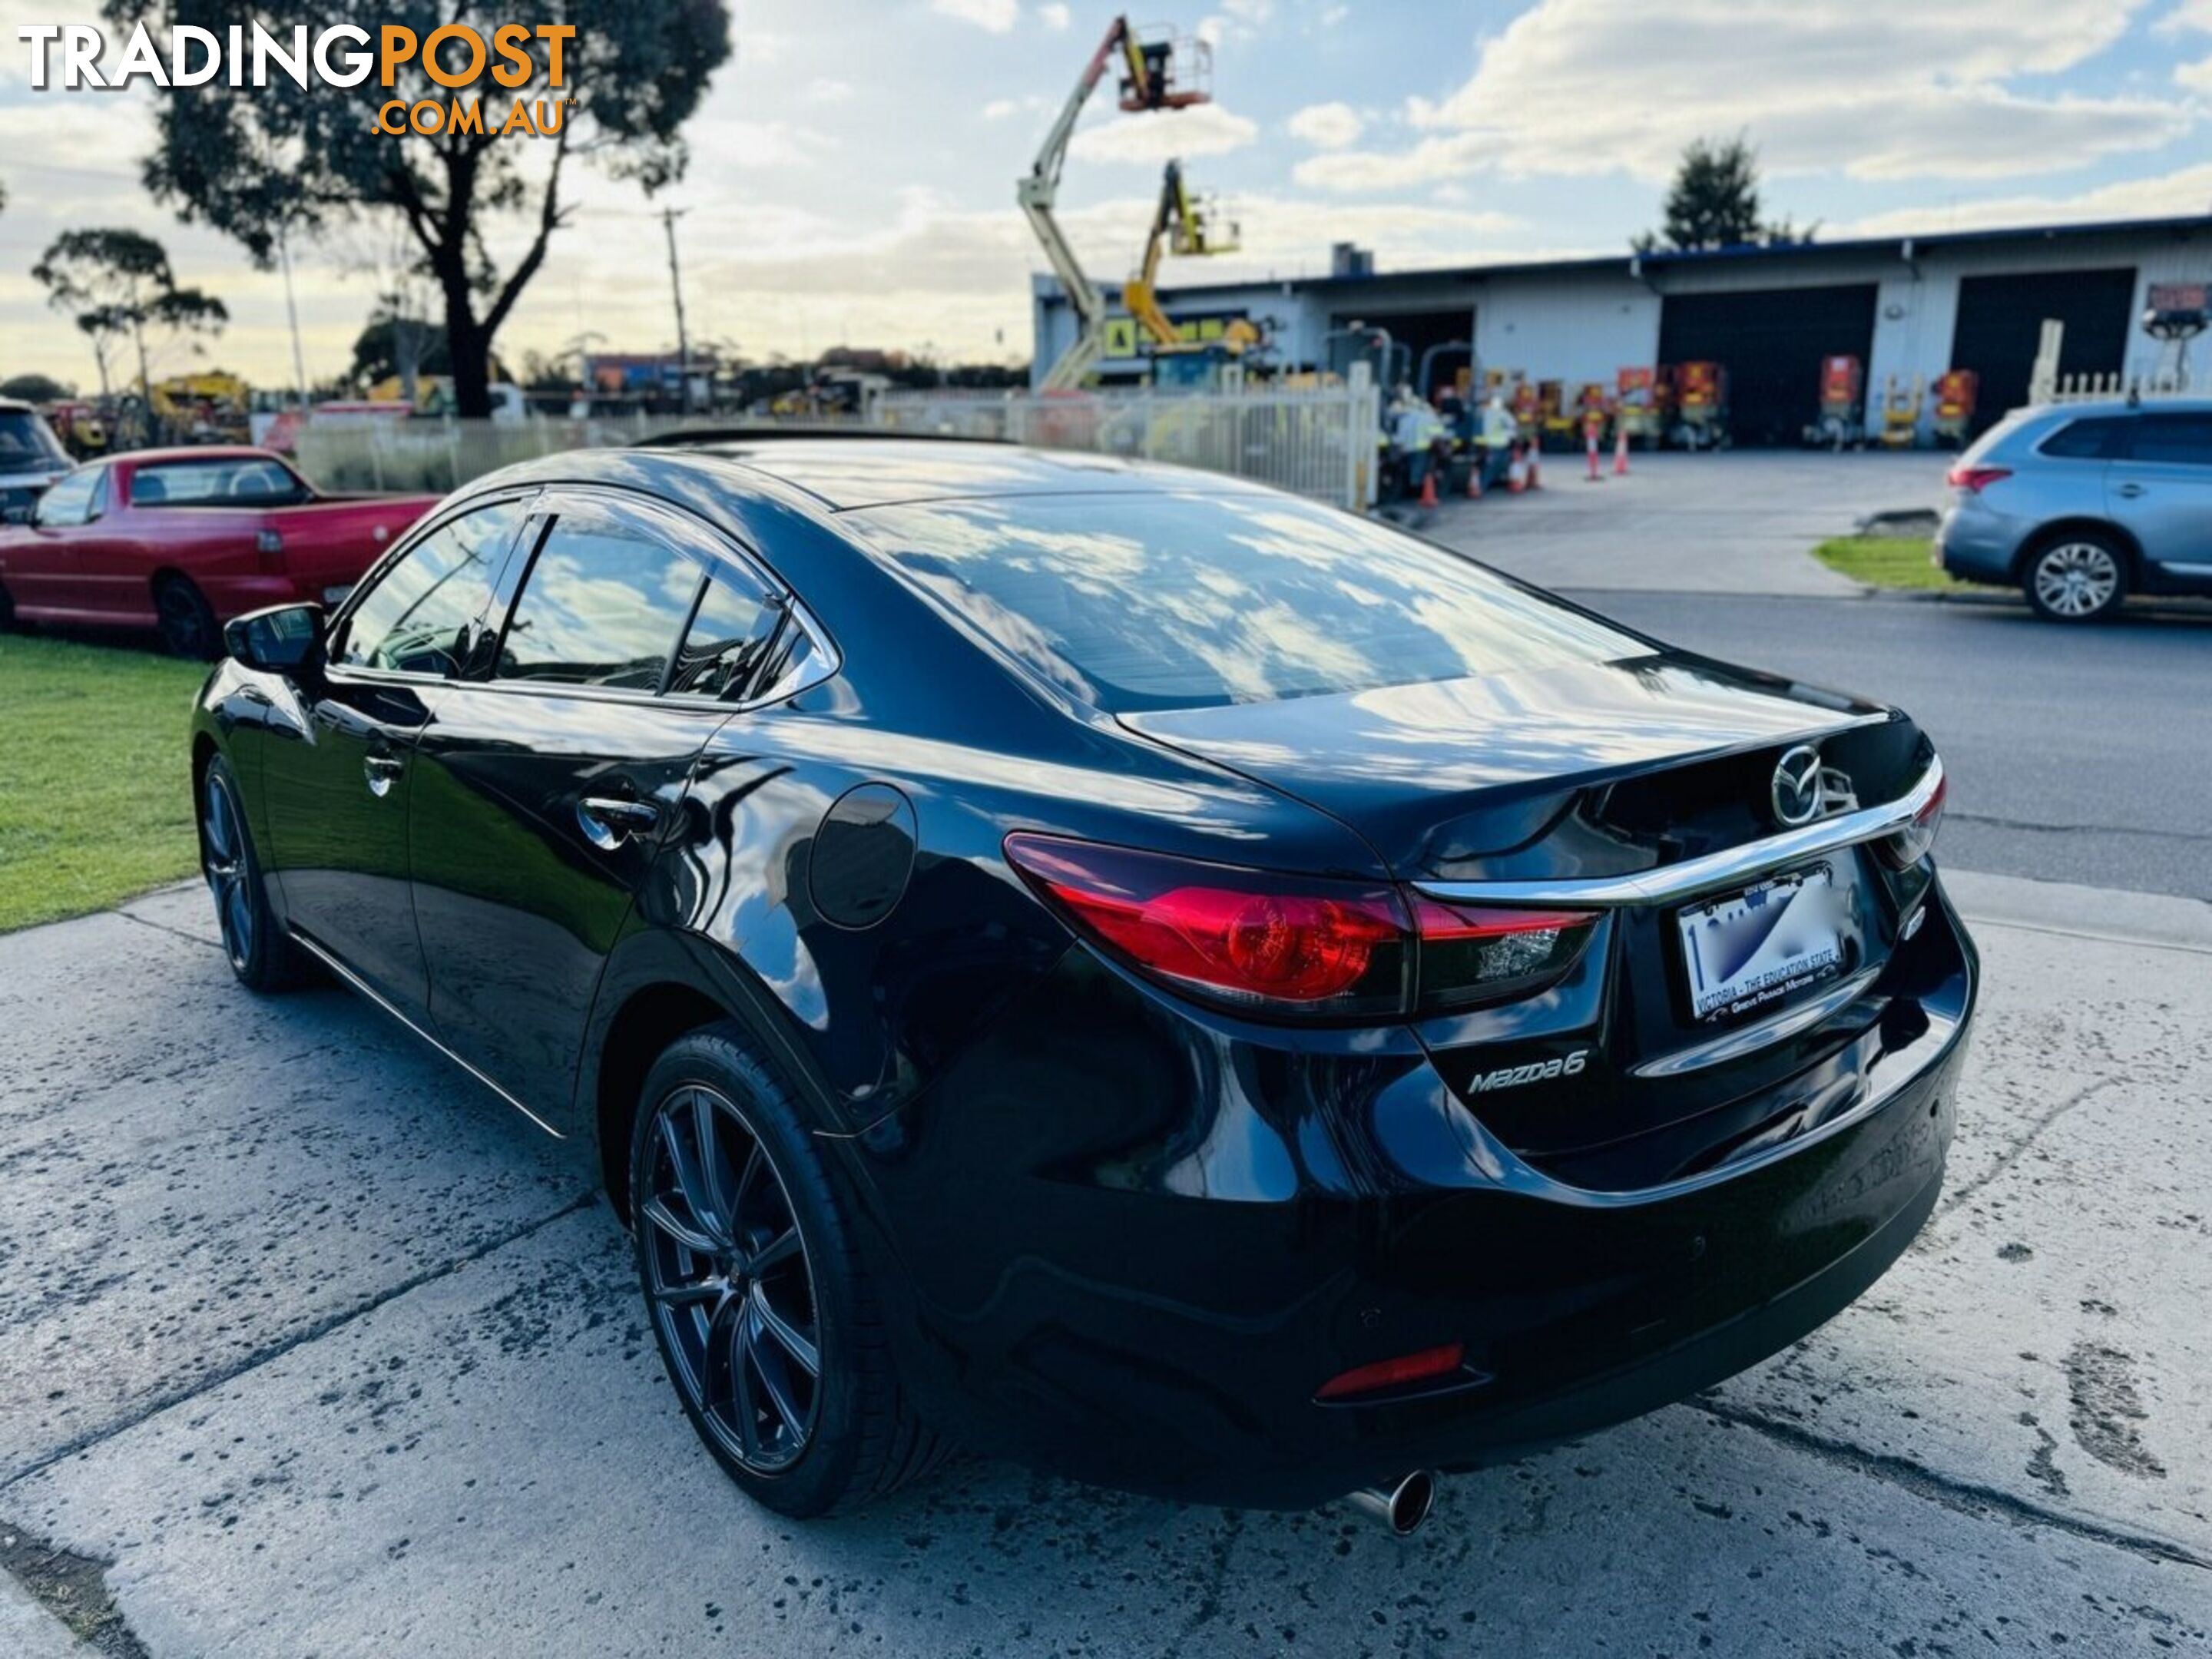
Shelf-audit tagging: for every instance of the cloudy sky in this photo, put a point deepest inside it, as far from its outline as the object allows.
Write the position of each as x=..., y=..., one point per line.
x=854, y=168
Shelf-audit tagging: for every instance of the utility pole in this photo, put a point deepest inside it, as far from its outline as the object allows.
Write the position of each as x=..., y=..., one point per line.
x=668, y=218
x=292, y=311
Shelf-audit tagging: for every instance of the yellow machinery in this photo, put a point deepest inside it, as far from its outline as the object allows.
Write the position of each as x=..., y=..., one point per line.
x=1185, y=227
x=205, y=406
x=1900, y=412
x=1158, y=72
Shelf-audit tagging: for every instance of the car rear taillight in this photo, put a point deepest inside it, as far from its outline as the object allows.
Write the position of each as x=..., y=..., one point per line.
x=1975, y=479
x=1267, y=942
x=1917, y=839
x=1251, y=939
x=1471, y=954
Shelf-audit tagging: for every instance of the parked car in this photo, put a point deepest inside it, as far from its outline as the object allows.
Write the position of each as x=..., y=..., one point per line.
x=2079, y=505
x=1108, y=964
x=181, y=540
x=31, y=459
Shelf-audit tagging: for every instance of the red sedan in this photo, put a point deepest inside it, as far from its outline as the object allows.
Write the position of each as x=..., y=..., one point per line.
x=181, y=540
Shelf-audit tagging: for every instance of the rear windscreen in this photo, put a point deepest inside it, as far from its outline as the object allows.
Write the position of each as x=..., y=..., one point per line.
x=1173, y=601
x=28, y=443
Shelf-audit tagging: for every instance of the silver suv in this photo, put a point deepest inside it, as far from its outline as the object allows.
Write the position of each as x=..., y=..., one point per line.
x=2080, y=504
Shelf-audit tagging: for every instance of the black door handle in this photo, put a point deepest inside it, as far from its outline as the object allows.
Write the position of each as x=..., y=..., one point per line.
x=608, y=820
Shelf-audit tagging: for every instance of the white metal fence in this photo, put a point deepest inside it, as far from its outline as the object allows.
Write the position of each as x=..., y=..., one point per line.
x=2089, y=388
x=1319, y=443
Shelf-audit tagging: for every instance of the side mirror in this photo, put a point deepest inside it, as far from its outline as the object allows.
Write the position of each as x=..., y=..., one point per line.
x=281, y=640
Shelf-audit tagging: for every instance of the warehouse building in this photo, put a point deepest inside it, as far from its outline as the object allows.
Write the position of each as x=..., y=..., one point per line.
x=1904, y=306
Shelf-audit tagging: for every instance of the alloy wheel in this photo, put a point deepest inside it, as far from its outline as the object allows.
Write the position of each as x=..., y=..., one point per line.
x=2076, y=579
x=729, y=1281
x=185, y=622
x=222, y=859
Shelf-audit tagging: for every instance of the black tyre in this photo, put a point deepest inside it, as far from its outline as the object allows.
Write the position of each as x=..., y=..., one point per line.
x=7, y=610
x=2078, y=577
x=261, y=954
x=187, y=621
x=768, y=1325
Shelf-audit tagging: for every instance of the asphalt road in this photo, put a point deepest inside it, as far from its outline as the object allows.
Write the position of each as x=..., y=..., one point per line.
x=2076, y=755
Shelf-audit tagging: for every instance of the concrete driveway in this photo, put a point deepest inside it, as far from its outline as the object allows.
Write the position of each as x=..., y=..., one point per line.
x=312, y=1347
x=1740, y=522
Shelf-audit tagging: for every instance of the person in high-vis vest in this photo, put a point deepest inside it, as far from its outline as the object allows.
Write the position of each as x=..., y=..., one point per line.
x=1495, y=441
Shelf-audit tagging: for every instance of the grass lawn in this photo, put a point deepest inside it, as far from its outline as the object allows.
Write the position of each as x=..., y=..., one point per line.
x=95, y=803
x=1885, y=561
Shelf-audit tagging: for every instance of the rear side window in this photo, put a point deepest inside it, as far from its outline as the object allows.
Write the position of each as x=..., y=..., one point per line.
x=2093, y=440
x=730, y=635
x=2175, y=439
x=417, y=616
x=1177, y=601
x=254, y=480
x=604, y=602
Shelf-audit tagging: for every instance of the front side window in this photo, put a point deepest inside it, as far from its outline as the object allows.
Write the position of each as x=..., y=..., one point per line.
x=73, y=500
x=417, y=616
x=1176, y=601
x=253, y=480
x=604, y=603
x=2175, y=439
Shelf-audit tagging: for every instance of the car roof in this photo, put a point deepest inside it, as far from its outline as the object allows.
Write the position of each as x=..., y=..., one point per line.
x=847, y=472
x=2102, y=406
x=197, y=452
x=16, y=406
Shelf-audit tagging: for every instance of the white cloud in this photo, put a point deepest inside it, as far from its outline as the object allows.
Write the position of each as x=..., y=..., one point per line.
x=754, y=146
x=2197, y=76
x=2189, y=15
x=2172, y=194
x=1327, y=127
x=1202, y=130
x=1055, y=15
x=996, y=16
x=828, y=89
x=1872, y=88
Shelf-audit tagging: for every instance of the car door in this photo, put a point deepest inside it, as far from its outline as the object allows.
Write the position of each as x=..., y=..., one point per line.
x=2160, y=488
x=44, y=563
x=543, y=789
x=337, y=805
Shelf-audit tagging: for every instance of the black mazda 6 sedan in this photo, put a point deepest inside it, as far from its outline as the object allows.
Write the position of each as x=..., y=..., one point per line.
x=1110, y=965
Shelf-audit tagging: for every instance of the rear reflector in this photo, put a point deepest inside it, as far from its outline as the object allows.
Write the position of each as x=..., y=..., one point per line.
x=1975, y=479
x=1428, y=1363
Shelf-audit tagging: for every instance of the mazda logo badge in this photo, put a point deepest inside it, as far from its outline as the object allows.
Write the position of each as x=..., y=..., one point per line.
x=1796, y=793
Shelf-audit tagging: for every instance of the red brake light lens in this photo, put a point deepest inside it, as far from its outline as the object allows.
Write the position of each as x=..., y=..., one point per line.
x=1471, y=954
x=1917, y=839
x=1253, y=939
x=1975, y=479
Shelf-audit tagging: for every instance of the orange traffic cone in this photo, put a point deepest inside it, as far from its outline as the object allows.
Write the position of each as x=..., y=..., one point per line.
x=1535, y=467
x=1590, y=450
x=1621, y=453
x=1516, y=474
x=1474, y=477
x=1429, y=487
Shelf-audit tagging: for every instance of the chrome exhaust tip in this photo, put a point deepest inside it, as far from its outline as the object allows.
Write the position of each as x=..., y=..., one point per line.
x=1402, y=1507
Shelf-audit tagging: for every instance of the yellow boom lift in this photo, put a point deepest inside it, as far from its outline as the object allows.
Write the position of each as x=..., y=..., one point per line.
x=1183, y=226
x=1158, y=72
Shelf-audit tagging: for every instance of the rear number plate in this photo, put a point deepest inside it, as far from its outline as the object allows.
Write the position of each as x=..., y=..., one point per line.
x=1759, y=947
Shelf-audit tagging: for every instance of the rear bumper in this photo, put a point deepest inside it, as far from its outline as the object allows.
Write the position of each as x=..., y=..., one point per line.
x=1977, y=545
x=1159, y=1313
